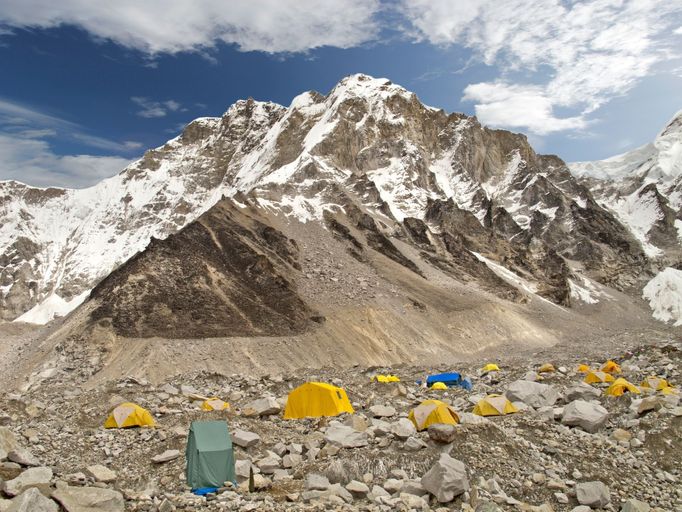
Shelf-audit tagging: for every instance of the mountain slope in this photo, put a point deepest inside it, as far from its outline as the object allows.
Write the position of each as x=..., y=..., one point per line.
x=644, y=189
x=370, y=163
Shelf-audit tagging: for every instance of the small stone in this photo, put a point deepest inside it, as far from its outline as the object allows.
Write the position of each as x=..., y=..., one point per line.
x=357, y=489
x=23, y=456
x=414, y=444
x=100, y=473
x=382, y=411
x=166, y=456
x=442, y=433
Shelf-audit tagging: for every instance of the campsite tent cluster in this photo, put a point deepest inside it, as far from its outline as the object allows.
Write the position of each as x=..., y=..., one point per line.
x=210, y=454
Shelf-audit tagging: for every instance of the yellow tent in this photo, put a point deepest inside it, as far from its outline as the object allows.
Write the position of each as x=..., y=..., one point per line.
x=610, y=367
x=214, y=404
x=430, y=412
x=583, y=368
x=494, y=405
x=129, y=414
x=655, y=383
x=671, y=390
x=597, y=377
x=620, y=386
x=386, y=378
x=546, y=368
x=439, y=386
x=315, y=399
x=490, y=367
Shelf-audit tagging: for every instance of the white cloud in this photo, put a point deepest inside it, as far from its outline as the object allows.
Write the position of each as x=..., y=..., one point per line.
x=581, y=54
x=20, y=121
x=516, y=106
x=678, y=31
x=172, y=26
x=152, y=109
x=32, y=161
x=26, y=155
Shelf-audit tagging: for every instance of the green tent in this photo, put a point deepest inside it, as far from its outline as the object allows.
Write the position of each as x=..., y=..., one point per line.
x=210, y=456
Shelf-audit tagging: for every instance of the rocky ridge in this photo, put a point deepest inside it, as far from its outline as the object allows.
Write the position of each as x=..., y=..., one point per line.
x=369, y=157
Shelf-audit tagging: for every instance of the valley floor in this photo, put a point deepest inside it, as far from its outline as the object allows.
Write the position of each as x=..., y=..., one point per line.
x=525, y=461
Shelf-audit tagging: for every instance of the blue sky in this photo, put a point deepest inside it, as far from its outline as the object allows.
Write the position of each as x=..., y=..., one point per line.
x=85, y=89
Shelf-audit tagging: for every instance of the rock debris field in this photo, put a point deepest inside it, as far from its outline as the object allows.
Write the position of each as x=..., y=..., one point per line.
x=570, y=446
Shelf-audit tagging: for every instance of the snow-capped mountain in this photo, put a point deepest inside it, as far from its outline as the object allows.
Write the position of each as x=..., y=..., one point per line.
x=643, y=187
x=476, y=203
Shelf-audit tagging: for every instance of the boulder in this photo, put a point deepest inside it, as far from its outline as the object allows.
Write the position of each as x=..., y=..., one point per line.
x=32, y=500
x=633, y=505
x=593, y=494
x=533, y=394
x=403, y=428
x=166, y=456
x=32, y=477
x=89, y=499
x=582, y=391
x=316, y=482
x=23, y=456
x=345, y=437
x=262, y=407
x=244, y=438
x=446, y=479
x=382, y=411
x=269, y=464
x=100, y=473
x=442, y=433
x=586, y=415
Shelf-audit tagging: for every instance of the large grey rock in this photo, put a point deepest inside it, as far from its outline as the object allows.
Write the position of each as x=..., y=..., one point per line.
x=32, y=477
x=586, y=415
x=244, y=438
x=32, y=500
x=89, y=499
x=582, y=391
x=593, y=494
x=262, y=407
x=533, y=394
x=442, y=432
x=100, y=473
x=447, y=479
x=345, y=437
x=633, y=505
x=403, y=428
x=23, y=456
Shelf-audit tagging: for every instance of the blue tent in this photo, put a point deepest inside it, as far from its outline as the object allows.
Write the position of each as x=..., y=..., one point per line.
x=449, y=379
